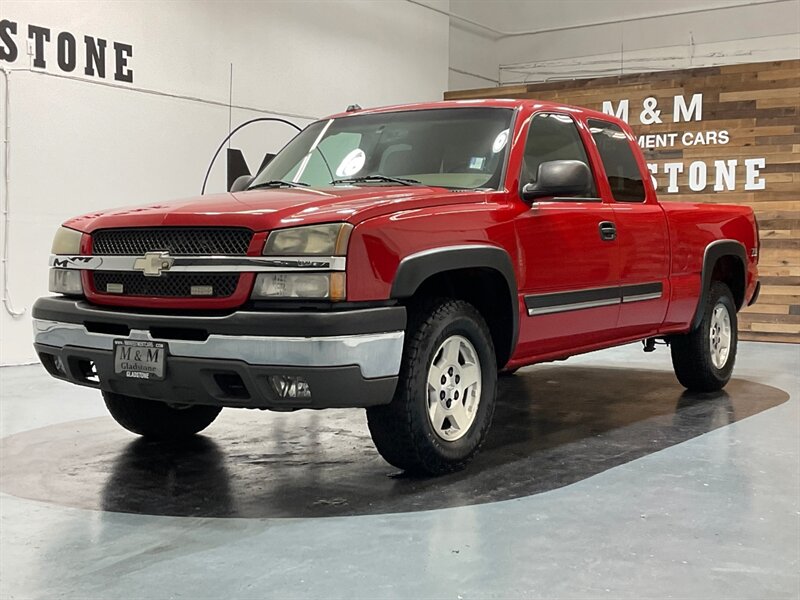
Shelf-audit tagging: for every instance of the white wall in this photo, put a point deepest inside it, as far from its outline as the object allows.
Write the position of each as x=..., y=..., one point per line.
x=570, y=43
x=76, y=145
x=474, y=58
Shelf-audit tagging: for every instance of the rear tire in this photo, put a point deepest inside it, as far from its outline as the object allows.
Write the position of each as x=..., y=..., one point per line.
x=703, y=359
x=158, y=420
x=445, y=396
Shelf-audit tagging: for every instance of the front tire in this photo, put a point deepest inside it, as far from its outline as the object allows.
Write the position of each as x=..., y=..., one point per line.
x=158, y=420
x=703, y=359
x=445, y=396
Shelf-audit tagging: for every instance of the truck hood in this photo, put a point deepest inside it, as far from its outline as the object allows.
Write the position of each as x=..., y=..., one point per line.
x=267, y=209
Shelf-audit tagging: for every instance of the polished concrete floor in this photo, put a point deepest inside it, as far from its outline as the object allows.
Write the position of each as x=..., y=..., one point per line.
x=601, y=478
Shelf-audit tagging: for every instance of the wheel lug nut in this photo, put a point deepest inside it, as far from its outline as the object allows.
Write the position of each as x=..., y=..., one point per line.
x=458, y=378
x=450, y=371
x=444, y=379
x=448, y=403
x=455, y=395
x=442, y=394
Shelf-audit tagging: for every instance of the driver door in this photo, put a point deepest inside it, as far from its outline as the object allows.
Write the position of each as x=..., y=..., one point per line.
x=570, y=266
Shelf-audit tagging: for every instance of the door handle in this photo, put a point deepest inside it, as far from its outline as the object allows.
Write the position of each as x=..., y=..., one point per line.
x=608, y=231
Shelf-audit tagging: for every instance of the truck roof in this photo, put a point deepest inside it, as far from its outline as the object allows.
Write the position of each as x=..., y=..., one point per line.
x=488, y=102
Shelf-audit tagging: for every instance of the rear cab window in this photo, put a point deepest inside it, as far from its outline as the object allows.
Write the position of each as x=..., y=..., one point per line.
x=619, y=161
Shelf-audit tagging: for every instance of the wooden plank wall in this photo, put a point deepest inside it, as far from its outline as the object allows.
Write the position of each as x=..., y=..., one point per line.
x=758, y=105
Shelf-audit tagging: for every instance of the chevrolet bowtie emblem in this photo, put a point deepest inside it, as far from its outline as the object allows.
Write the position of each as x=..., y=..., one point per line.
x=153, y=263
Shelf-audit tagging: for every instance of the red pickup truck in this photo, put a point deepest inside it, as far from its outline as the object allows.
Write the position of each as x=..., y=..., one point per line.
x=396, y=259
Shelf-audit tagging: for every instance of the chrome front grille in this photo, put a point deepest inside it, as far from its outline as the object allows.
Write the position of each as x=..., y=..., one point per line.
x=178, y=241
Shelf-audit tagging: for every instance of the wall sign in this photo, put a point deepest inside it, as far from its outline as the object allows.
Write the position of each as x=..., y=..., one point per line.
x=65, y=51
x=721, y=175
x=714, y=134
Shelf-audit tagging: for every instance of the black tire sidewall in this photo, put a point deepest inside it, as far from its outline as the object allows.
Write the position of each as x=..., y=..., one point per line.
x=720, y=294
x=464, y=324
x=157, y=420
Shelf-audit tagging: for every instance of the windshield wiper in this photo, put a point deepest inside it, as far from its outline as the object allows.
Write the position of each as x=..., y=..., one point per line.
x=277, y=183
x=378, y=178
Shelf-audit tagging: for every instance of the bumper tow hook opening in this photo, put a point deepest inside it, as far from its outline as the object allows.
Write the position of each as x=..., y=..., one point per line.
x=231, y=385
x=88, y=371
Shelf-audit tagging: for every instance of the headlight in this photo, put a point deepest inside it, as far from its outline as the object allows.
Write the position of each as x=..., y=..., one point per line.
x=67, y=241
x=66, y=281
x=328, y=240
x=320, y=286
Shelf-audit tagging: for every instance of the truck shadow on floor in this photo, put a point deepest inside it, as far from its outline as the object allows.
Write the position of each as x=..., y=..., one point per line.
x=553, y=426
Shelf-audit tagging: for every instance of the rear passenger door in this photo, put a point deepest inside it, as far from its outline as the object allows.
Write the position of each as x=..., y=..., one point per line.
x=641, y=228
x=569, y=272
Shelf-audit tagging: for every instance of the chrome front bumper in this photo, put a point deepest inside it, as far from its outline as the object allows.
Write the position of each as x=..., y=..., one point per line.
x=348, y=358
x=376, y=354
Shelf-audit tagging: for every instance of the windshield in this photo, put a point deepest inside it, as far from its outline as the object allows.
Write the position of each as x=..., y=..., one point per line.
x=460, y=148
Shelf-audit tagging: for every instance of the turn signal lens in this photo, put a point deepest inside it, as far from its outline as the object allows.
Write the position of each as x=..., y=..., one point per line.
x=338, y=286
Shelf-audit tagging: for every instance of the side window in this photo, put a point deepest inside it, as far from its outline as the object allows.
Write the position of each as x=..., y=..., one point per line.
x=620, y=164
x=552, y=137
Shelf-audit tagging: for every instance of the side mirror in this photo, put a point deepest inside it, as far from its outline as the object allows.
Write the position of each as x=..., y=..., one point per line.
x=237, y=167
x=240, y=183
x=559, y=178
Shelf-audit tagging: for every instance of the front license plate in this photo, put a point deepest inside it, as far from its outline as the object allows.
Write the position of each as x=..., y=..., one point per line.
x=140, y=359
